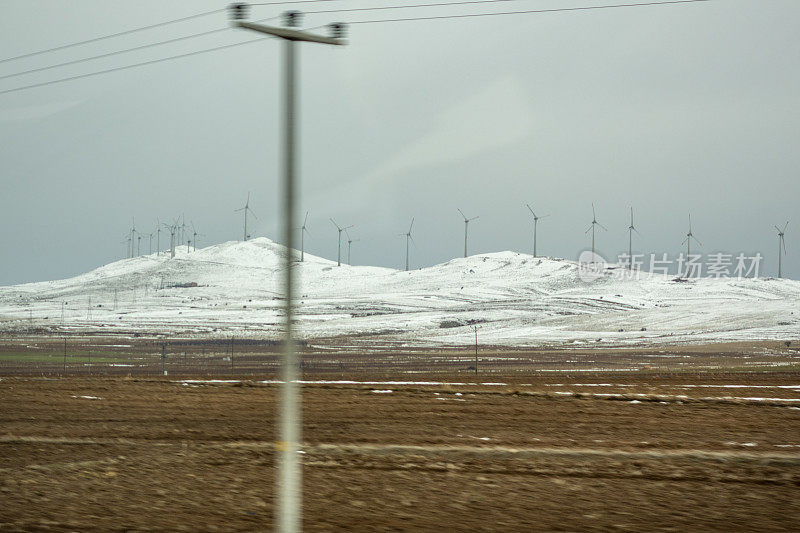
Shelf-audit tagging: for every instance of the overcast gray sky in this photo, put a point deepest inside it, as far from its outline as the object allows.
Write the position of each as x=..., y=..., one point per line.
x=669, y=109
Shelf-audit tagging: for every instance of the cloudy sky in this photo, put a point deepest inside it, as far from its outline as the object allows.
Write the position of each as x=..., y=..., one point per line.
x=669, y=109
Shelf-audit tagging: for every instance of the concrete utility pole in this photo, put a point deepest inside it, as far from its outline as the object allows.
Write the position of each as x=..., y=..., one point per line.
x=289, y=495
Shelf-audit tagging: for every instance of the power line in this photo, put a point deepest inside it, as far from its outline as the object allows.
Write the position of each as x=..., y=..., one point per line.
x=109, y=54
x=117, y=52
x=413, y=6
x=440, y=17
x=177, y=39
x=585, y=8
x=295, y=2
x=116, y=69
x=126, y=32
x=151, y=26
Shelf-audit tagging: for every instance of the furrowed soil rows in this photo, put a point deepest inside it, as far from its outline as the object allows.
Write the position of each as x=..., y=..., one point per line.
x=590, y=451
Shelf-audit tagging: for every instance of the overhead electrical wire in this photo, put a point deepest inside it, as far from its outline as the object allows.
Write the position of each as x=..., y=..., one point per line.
x=177, y=39
x=125, y=67
x=437, y=17
x=118, y=34
x=117, y=52
x=150, y=27
x=528, y=11
x=109, y=54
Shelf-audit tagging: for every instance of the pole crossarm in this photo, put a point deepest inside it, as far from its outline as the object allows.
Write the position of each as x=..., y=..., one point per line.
x=290, y=35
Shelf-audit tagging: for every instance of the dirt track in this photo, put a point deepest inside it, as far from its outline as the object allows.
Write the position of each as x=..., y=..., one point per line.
x=539, y=453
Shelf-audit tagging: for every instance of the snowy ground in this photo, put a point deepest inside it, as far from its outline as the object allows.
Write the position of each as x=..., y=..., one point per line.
x=515, y=300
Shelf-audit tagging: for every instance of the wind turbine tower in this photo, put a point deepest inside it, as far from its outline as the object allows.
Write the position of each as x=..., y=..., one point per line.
x=339, y=253
x=781, y=247
x=246, y=208
x=173, y=229
x=592, y=228
x=688, y=242
x=195, y=235
x=631, y=229
x=350, y=241
x=535, y=223
x=466, y=229
x=408, y=237
x=303, y=232
x=158, y=237
x=133, y=236
x=183, y=228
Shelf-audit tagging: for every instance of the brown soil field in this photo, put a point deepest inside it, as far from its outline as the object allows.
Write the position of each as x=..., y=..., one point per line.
x=493, y=451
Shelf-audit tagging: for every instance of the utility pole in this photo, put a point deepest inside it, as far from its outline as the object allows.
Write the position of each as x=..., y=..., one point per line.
x=476, y=349
x=65, y=356
x=289, y=495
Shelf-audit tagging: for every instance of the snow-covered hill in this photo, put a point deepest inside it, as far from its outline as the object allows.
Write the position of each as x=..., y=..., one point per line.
x=514, y=298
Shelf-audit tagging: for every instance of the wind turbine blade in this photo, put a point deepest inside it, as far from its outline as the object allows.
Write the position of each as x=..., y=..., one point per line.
x=684, y=240
x=350, y=226
x=306, y=230
x=473, y=218
x=237, y=210
x=594, y=215
x=305, y=220
x=631, y=216
x=698, y=242
x=637, y=231
x=412, y=225
x=248, y=198
x=589, y=228
x=779, y=230
x=690, y=222
x=545, y=216
x=531, y=210
x=786, y=225
x=337, y=225
x=462, y=213
x=252, y=212
x=602, y=226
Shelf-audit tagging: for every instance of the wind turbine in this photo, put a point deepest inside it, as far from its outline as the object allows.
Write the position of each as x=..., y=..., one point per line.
x=303, y=232
x=139, y=245
x=339, y=253
x=133, y=235
x=150, y=249
x=350, y=241
x=466, y=226
x=535, y=223
x=127, y=241
x=631, y=229
x=158, y=232
x=688, y=241
x=194, y=235
x=246, y=208
x=781, y=245
x=173, y=229
x=408, y=237
x=183, y=228
x=591, y=228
